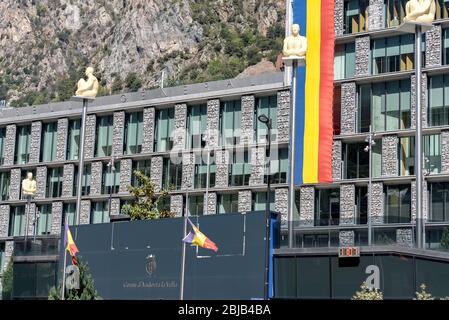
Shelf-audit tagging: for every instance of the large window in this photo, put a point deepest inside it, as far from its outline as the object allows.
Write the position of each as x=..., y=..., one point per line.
x=171, y=174
x=196, y=205
x=69, y=211
x=22, y=145
x=327, y=207
x=54, y=182
x=227, y=203
x=201, y=172
x=278, y=166
x=388, y=105
x=230, y=122
x=439, y=201
x=45, y=219
x=344, y=61
x=49, y=141
x=103, y=146
x=73, y=140
x=2, y=145
x=259, y=201
x=395, y=12
x=376, y=158
x=442, y=9
x=268, y=107
x=196, y=126
x=4, y=185
x=100, y=212
x=406, y=156
x=85, y=180
x=397, y=204
x=356, y=161
x=393, y=54
x=361, y=202
x=239, y=168
x=356, y=16
x=133, y=133
x=143, y=166
x=445, y=50
x=111, y=178
x=432, y=153
x=17, y=221
x=164, y=129
x=439, y=100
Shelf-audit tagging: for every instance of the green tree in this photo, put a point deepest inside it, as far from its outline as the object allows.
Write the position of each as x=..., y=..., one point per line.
x=445, y=239
x=366, y=293
x=7, y=279
x=146, y=204
x=117, y=85
x=133, y=83
x=85, y=292
x=423, y=294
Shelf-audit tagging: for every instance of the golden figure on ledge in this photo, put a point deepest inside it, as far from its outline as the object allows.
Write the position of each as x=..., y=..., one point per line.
x=29, y=185
x=295, y=45
x=89, y=88
x=420, y=11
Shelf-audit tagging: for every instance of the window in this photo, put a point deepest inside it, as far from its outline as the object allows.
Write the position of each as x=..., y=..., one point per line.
x=278, y=166
x=439, y=201
x=163, y=129
x=22, y=145
x=49, y=141
x=376, y=159
x=171, y=175
x=344, y=61
x=196, y=205
x=356, y=16
x=4, y=185
x=2, y=145
x=103, y=146
x=239, y=168
x=395, y=12
x=406, y=156
x=227, y=203
x=133, y=133
x=361, y=201
x=73, y=139
x=230, y=122
x=397, y=204
x=111, y=178
x=69, y=211
x=200, y=175
x=54, y=182
x=445, y=49
x=268, y=107
x=85, y=182
x=100, y=212
x=327, y=207
x=259, y=201
x=439, y=100
x=2, y=255
x=196, y=126
x=17, y=221
x=143, y=166
x=441, y=9
x=364, y=108
x=45, y=219
x=393, y=54
x=390, y=106
x=355, y=160
x=432, y=153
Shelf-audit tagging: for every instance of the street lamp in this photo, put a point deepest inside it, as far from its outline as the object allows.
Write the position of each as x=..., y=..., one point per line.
x=267, y=121
x=369, y=149
x=111, y=165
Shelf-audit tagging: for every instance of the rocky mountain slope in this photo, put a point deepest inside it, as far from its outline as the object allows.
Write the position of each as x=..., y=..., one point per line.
x=46, y=44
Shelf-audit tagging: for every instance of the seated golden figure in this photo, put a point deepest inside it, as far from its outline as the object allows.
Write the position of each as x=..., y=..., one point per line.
x=295, y=45
x=89, y=88
x=420, y=11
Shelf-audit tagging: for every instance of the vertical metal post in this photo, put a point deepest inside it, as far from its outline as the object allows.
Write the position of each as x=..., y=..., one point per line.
x=35, y=223
x=27, y=218
x=183, y=255
x=267, y=213
x=206, y=201
x=81, y=162
x=111, y=170
x=418, y=139
x=291, y=190
x=288, y=25
x=370, y=184
x=65, y=260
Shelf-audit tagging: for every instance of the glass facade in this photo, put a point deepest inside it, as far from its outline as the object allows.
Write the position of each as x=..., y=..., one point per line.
x=143, y=166
x=200, y=174
x=239, y=168
x=2, y=145
x=196, y=205
x=99, y=212
x=73, y=139
x=344, y=61
x=278, y=165
x=259, y=201
x=438, y=100
x=85, y=180
x=196, y=126
x=230, y=122
x=22, y=145
x=69, y=211
x=17, y=221
x=355, y=16
x=45, y=219
x=327, y=207
x=361, y=202
x=393, y=54
x=355, y=160
x=111, y=178
x=439, y=202
x=4, y=185
x=54, y=182
x=164, y=129
x=49, y=141
x=171, y=174
x=133, y=133
x=103, y=145
x=445, y=47
x=397, y=203
x=227, y=203
x=268, y=107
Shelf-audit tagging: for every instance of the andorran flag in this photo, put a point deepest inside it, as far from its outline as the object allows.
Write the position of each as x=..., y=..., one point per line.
x=197, y=238
x=69, y=244
x=314, y=95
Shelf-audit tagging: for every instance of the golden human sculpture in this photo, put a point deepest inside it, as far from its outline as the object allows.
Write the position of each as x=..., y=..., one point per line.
x=89, y=88
x=420, y=11
x=295, y=45
x=29, y=185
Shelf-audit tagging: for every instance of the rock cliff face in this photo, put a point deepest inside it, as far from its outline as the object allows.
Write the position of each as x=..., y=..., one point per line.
x=45, y=45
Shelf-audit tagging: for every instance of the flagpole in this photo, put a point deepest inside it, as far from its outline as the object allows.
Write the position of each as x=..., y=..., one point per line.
x=65, y=260
x=183, y=257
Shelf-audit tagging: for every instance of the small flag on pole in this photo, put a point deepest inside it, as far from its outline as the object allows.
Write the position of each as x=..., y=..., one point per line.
x=197, y=238
x=69, y=244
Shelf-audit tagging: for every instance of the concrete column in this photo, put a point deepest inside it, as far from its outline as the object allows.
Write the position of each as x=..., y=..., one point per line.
x=118, y=133
x=376, y=16
x=339, y=17
x=347, y=203
x=35, y=142
x=348, y=108
x=85, y=212
x=69, y=179
x=115, y=206
x=377, y=203
x=281, y=204
x=10, y=145
x=245, y=201
x=148, y=130
x=222, y=168
x=176, y=204
x=346, y=238
x=89, y=142
x=445, y=151
x=336, y=160
x=362, y=56
x=283, y=116
x=126, y=167
x=425, y=200
x=390, y=156
x=307, y=206
x=188, y=166
x=56, y=218
x=210, y=206
x=15, y=184
x=9, y=252
x=248, y=106
x=179, y=135
x=4, y=220
x=404, y=237
x=423, y=100
x=96, y=178
x=433, y=47
x=213, y=119
x=41, y=182
x=30, y=212
x=257, y=166
x=61, y=148
x=156, y=172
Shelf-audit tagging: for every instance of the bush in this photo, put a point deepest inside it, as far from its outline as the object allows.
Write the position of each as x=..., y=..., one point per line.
x=366, y=293
x=423, y=294
x=133, y=83
x=7, y=279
